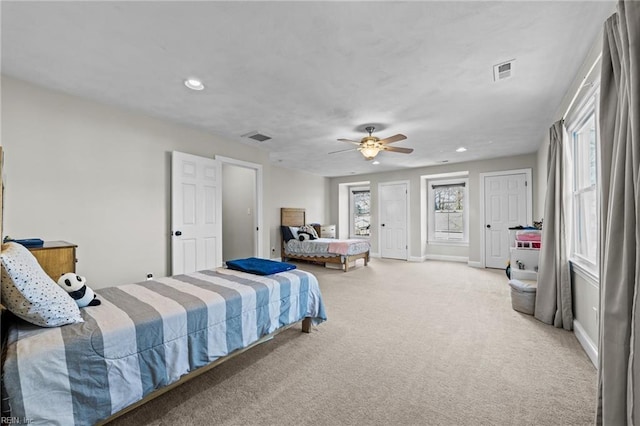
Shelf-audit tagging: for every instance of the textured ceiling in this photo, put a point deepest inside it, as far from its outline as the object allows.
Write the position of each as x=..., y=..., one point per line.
x=308, y=73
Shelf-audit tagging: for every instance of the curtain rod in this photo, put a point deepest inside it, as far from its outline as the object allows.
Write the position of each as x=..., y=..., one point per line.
x=448, y=185
x=575, y=96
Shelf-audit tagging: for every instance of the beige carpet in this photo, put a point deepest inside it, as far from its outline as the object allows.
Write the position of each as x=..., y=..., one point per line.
x=432, y=343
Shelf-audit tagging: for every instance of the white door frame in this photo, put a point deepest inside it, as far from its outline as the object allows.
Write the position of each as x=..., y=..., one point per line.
x=407, y=184
x=259, y=212
x=483, y=219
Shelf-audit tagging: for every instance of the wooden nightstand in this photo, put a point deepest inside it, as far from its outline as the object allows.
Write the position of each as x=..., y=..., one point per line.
x=56, y=258
x=328, y=231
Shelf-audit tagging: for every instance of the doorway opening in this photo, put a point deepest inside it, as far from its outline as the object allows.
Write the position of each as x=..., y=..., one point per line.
x=241, y=209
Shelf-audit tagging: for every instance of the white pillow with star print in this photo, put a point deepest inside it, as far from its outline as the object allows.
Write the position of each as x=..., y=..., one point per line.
x=29, y=293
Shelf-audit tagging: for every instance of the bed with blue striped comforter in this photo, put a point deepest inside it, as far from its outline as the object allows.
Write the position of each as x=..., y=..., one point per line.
x=145, y=336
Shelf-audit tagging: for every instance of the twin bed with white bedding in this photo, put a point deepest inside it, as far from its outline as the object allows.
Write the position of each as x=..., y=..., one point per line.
x=344, y=252
x=145, y=337
x=326, y=247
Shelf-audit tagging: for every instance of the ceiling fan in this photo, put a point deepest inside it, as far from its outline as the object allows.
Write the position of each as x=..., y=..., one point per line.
x=370, y=146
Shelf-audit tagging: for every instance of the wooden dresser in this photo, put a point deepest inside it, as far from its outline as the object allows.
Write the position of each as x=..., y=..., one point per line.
x=56, y=257
x=328, y=231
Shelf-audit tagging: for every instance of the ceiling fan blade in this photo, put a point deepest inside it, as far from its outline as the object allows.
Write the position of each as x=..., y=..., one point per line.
x=350, y=141
x=398, y=149
x=343, y=150
x=392, y=139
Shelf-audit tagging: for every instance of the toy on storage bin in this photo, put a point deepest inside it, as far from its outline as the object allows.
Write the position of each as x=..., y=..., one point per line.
x=76, y=286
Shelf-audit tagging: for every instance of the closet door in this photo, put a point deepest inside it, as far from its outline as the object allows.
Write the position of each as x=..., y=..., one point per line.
x=393, y=208
x=506, y=203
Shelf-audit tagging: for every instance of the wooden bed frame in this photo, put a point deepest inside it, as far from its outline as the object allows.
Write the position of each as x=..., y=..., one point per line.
x=297, y=217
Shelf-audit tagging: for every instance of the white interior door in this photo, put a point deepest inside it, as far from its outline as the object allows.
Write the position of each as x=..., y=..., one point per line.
x=196, y=212
x=507, y=204
x=393, y=220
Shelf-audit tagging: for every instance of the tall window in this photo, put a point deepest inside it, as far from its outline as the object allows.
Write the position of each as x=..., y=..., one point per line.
x=584, y=138
x=448, y=212
x=360, y=212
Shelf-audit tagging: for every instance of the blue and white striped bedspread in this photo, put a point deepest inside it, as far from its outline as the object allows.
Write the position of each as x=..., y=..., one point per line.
x=145, y=336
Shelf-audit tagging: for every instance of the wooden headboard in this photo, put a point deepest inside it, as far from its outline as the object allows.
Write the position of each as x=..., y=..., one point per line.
x=292, y=216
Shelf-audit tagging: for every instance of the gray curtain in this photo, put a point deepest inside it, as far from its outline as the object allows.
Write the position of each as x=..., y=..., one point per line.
x=619, y=369
x=553, y=297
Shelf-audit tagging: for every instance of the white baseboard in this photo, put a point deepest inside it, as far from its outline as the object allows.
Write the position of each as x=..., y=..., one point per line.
x=475, y=264
x=587, y=344
x=447, y=258
x=431, y=257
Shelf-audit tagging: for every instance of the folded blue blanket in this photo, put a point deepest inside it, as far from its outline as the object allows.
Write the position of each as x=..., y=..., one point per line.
x=257, y=266
x=28, y=242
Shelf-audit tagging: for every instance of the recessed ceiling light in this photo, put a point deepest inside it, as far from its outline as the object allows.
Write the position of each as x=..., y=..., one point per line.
x=194, y=84
x=376, y=162
x=461, y=149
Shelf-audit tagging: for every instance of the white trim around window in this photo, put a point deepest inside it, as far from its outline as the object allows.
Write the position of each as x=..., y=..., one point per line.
x=457, y=216
x=584, y=182
x=365, y=218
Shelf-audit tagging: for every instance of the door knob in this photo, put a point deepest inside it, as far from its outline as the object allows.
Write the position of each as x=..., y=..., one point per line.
x=488, y=226
x=178, y=233
x=382, y=224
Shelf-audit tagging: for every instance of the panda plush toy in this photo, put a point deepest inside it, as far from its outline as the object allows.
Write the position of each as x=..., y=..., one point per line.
x=305, y=236
x=76, y=286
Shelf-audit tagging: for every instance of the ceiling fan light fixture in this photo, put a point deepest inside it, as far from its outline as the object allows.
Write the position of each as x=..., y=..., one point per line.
x=370, y=140
x=370, y=152
x=370, y=145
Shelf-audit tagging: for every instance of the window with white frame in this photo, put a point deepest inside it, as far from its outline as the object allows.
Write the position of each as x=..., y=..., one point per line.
x=583, y=133
x=448, y=212
x=360, y=212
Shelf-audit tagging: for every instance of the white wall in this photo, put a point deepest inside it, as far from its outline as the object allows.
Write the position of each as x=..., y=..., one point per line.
x=417, y=250
x=99, y=176
x=586, y=311
x=576, y=87
x=298, y=190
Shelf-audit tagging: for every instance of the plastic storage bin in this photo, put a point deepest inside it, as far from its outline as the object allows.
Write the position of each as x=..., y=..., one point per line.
x=528, y=238
x=523, y=296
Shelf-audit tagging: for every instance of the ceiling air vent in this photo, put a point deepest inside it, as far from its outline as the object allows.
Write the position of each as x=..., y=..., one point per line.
x=257, y=136
x=503, y=71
